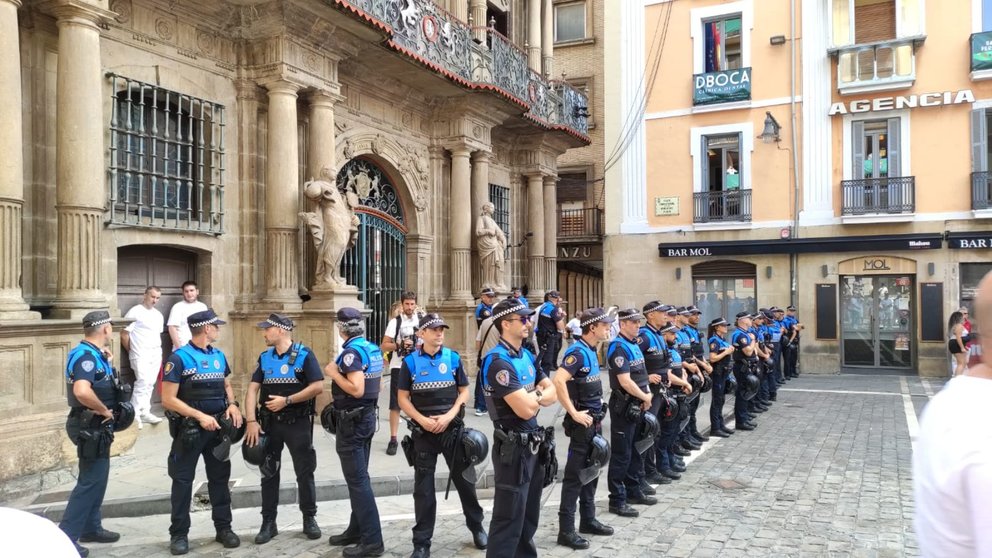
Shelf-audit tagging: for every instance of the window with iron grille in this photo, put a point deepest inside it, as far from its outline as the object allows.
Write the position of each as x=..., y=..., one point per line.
x=499, y=196
x=166, y=159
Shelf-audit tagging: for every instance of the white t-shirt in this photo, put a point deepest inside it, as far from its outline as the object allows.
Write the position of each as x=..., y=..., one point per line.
x=952, y=472
x=145, y=332
x=408, y=326
x=574, y=327
x=27, y=534
x=177, y=317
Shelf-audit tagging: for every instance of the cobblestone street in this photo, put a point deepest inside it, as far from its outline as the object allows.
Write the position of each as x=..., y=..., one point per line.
x=827, y=472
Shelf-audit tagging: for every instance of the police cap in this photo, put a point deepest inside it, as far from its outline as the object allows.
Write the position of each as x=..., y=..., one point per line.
x=432, y=321
x=96, y=318
x=510, y=306
x=653, y=306
x=349, y=314
x=630, y=314
x=277, y=320
x=203, y=318
x=593, y=315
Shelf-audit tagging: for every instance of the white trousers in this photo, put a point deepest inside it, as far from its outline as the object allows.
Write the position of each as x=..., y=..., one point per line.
x=146, y=370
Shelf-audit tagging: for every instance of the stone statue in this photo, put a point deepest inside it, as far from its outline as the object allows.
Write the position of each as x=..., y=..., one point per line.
x=334, y=227
x=491, y=243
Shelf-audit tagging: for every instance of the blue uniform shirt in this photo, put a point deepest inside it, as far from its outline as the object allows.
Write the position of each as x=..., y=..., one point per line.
x=506, y=370
x=210, y=366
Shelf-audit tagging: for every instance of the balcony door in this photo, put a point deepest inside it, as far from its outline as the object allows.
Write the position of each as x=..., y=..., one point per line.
x=877, y=321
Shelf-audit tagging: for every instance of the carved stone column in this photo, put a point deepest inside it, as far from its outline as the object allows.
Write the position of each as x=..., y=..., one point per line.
x=321, y=147
x=12, y=306
x=550, y=233
x=282, y=184
x=535, y=224
x=477, y=11
x=459, y=9
x=80, y=173
x=534, y=34
x=548, y=38
x=460, y=221
x=480, y=181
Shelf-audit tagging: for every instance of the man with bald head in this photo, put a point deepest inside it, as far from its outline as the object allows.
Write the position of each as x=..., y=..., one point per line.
x=952, y=460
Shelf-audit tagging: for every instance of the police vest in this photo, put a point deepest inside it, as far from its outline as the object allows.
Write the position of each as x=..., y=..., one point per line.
x=202, y=374
x=721, y=344
x=585, y=388
x=695, y=345
x=103, y=376
x=638, y=373
x=757, y=339
x=675, y=360
x=547, y=318
x=739, y=356
x=433, y=390
x=282, y=375
x=500, y=411
x=371, y=357
x=656, y=358
x=482, y=311
x=776, y=331
x=683, y=343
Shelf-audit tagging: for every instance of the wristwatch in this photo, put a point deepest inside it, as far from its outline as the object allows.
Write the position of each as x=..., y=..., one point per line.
x=289, y=400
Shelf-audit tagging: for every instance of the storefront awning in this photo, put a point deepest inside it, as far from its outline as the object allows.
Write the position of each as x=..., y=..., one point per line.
x=969, y=240
x=874, y=243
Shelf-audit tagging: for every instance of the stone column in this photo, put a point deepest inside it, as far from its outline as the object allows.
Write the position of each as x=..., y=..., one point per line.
x=12, y=306
x=459, y=9
x=550, y=232
x=534, y=34
x=460, y=221
x=477, y=11
x=282, y=196
x=535, y=224
x=480, y=195
x=320, y=143
x=548, y=38
x=81, y=185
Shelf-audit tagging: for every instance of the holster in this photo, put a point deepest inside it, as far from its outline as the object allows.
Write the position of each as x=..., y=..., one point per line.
x=407, y=444
x=347, y=418
x=506, y=446
x=581, y=434
x=618, y=402
x=547, y=457
x=187, y=435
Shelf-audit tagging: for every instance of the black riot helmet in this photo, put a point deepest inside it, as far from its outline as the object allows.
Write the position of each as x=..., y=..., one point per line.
x=123, y=416
x=647, y=432
x=255, y=455
x=669, y=410
x=730, y=385
x=327, y=420
x=231, y=432
x=476, y=446
x=750, y=386
x=707, y=384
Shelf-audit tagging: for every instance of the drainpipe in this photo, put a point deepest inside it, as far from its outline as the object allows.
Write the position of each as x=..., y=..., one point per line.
x=794, y=259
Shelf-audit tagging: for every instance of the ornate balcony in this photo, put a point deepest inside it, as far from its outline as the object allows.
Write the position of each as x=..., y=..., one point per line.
x=580, y=223
x=425, y=32
x=893, y=195
x=722, y=207
x=981, y=191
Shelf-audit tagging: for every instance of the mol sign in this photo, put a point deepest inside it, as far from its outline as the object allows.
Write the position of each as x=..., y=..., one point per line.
x=882, y=104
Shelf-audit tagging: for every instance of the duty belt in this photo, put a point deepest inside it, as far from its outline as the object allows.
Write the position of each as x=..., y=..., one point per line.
x=522, y=439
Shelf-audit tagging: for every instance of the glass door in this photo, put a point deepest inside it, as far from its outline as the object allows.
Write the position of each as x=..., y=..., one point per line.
x=877, y=321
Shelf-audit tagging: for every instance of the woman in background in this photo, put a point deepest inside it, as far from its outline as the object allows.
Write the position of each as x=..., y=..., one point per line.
x=957, y=338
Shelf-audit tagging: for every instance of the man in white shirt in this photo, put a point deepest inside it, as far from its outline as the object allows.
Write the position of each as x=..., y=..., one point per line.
x=143, y=341
x=178, y=328
x=574, y=327
x=952, y=460
x=399, y=339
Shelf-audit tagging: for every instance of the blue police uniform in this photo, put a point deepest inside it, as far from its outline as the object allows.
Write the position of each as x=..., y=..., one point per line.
x=790, y=350
x=695, y=351
x=777, y=336
x=433, y=382
x=548, y=336
x=626, y=470
x=82, y=514
x=657, y=361
x=284, y=375
x=356, y=418
x=770, y=390
x=719, y=376
x=518, y=472
x=200, y=373
x=740, y=339
x=585, y=391
x=482, y=311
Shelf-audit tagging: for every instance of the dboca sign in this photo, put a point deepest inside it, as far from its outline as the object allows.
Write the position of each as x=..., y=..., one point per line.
x=882, y=104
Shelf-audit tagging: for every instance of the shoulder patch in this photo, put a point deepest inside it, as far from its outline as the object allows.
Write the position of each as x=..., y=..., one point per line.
x=570, y=359
x=618, y=360
x=349, y=358
x=88, y=365
x=168, y=367
x=503, y=378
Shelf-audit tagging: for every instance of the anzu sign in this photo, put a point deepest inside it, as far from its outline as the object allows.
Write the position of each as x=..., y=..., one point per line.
x=882, y=104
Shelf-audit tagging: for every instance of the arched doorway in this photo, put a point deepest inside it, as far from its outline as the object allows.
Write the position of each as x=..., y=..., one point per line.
x=377, y=262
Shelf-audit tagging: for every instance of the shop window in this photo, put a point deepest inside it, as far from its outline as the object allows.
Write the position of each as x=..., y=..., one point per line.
x=570, y=22
x=722, y=44
x=721, y=289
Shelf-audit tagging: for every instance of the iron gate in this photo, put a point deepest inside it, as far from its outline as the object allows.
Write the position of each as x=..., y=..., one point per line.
x=377, y=262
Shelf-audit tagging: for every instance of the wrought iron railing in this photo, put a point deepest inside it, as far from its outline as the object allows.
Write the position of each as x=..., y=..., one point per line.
x=442, y=42
x=879, y=195
x=721, y=206
x=981, y=190
x=166, y=159
x=884, y=62
x=580, y=222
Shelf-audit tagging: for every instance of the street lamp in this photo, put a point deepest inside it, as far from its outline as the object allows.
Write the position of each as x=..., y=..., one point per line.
x=772, y=127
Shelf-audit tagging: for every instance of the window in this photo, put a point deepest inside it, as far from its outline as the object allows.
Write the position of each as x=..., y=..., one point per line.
x=499, y=196
x=166, y=159
x=572, y=187
x=876, y=148
x=722, y=163
x=867, y=21
x=986, y=15
x=722, y=288
x=722, y=44
x=570, y=22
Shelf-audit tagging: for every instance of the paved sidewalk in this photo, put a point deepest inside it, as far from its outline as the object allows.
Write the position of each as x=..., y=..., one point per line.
x=827, y=473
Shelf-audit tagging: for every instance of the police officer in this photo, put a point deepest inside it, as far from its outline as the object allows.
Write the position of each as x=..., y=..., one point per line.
x=778, y=330
x=515, y=392
x=760, y=402
x=698, y=350
x=720, y=358
x=483, y=311
x=669, y=460
x=684, y=341
x=357, y=375
x=630, y=393
x=580, y=391
x=744, y=352
x=196, y=389
x=288, y=377
x=91, y=389
x=550, y=327
x=433, y=390
x=791, y=346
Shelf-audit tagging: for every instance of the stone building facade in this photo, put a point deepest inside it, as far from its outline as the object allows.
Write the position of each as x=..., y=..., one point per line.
x=152, y=142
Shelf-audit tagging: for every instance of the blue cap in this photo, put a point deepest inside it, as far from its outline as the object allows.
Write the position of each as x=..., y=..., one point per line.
x=203, y=318
x=277, y=320
x=349, y=314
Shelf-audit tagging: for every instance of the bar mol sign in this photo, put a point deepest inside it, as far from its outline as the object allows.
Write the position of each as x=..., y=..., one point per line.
x=882, y=104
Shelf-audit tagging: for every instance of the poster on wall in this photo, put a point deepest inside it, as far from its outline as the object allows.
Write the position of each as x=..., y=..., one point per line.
x=902, y=342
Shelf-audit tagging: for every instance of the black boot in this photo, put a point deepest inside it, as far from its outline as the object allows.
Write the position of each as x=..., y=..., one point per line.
x=594, y=527
x=572, y=540
x=310, y=527
x=179, y=545
x=267, y=531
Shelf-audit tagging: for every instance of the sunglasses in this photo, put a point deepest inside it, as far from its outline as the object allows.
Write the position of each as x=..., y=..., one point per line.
x=522, y=319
